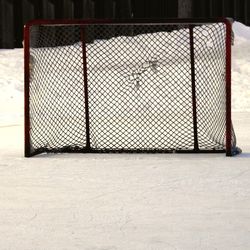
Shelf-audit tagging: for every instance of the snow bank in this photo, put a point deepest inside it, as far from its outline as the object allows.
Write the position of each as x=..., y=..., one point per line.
x=241, y=68
x=11, y=87
x=241, y=30
x=11, y=78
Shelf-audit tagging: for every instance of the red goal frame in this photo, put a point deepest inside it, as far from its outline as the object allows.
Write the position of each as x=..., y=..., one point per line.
x=228, y=23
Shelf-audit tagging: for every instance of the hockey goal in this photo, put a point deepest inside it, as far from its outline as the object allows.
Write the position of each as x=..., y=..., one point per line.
x=128, y=86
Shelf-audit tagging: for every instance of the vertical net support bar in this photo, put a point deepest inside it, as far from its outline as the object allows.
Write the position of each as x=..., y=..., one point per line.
x=229, y=151
x=26, y=33
x=191, y=35
x=84, y=60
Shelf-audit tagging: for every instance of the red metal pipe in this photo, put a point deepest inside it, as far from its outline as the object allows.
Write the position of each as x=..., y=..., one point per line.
x=84, y=60
x=126, y=21
x=191, y=37
x=26, y=91
x=228, y=88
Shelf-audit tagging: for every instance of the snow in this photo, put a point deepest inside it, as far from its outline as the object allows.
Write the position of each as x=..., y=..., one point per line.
x=11, y=85
x=241, y=30
x=241, y=69
x=111, y=202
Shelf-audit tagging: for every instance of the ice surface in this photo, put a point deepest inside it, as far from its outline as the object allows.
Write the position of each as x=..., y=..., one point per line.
x=122, y=202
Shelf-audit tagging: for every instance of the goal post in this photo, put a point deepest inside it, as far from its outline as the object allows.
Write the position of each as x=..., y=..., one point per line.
x=128, y=86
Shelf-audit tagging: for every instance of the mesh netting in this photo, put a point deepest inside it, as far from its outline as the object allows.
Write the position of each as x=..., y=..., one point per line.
x=139, y=83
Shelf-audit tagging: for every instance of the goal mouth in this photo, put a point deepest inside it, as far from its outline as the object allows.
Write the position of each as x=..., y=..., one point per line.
x=132, y=86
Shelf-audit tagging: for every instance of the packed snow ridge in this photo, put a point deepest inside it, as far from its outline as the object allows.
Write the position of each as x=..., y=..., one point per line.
x=12, y=83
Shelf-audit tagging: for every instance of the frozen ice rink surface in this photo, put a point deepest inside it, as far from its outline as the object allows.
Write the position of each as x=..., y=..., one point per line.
x=125, y=201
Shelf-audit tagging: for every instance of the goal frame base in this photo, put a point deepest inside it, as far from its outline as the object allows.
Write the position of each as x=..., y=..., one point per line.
x=130, y=151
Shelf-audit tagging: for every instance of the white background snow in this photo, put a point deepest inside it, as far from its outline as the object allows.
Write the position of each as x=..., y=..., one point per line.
x=111, y=202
